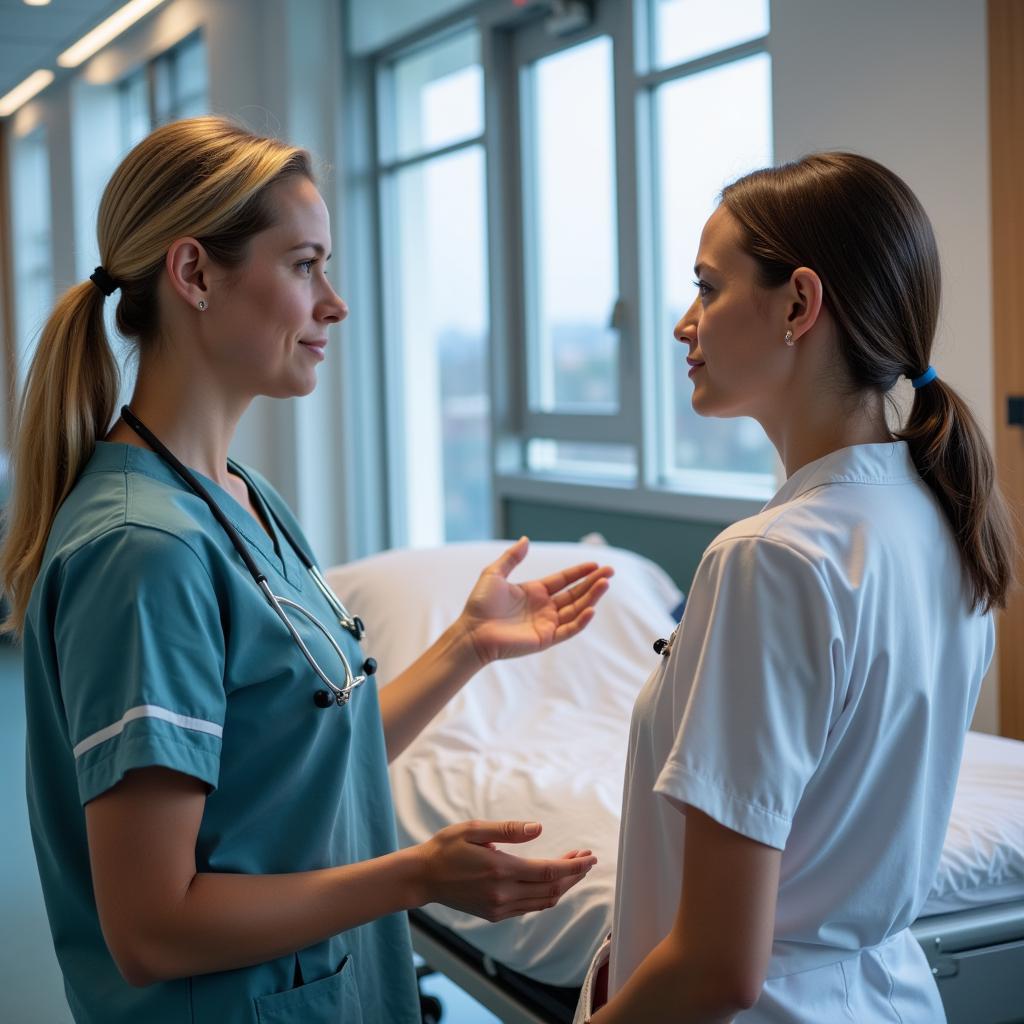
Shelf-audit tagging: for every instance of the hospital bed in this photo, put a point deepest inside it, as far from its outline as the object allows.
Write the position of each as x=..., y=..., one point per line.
x=545, y=739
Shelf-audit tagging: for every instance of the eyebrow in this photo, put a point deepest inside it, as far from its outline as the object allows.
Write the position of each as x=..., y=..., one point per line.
x=315, y=246
x=699, y=268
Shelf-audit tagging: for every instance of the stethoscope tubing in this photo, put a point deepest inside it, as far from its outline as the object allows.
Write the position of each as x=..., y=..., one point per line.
x=351, y=623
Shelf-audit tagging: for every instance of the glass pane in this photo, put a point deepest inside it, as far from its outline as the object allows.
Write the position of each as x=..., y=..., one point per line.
x=180, y=81
x=572, y=278
x=135, y=108
x=438, y=263
x=687, y=29
x=33, y=256
x=190, y=58
x=729, y=110
x=613, y=462
x=438, y=96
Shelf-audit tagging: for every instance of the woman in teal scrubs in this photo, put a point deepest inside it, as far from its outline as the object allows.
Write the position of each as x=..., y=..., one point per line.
x=214, y=829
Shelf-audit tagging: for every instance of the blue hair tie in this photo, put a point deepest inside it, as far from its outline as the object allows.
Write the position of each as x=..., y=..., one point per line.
x=926, y=378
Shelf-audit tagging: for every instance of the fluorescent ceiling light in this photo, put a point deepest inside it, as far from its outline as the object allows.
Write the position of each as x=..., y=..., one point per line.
x=37, y=3
x=105, y=31
x=21, y=94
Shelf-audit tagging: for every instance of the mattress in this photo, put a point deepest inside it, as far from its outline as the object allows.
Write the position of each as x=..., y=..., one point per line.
x=545, y=739
x=983, y=856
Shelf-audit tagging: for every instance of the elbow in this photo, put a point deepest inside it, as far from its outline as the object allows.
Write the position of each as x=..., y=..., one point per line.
x=135, y=970
x=737, y=991
x=724, y=991
x=744, y=994
x=139, y=963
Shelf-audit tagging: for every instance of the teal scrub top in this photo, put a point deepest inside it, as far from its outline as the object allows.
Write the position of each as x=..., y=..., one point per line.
x=147, y=642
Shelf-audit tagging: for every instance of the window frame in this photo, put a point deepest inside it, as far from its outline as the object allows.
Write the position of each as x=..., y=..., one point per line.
x=637, y=422
x=385, y=171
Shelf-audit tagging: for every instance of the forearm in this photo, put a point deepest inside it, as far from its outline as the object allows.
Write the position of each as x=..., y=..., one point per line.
x=413, y=698
x=227, y=921
x=669, y=985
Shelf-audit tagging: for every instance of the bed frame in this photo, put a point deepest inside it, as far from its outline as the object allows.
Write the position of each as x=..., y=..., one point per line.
x=977, y=957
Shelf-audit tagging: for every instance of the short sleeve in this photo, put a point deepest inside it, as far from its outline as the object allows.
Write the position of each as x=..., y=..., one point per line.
x=140, y=649
x=755, y=666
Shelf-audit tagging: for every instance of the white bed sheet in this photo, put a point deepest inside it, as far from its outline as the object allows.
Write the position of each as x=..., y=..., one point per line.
x=545, y=739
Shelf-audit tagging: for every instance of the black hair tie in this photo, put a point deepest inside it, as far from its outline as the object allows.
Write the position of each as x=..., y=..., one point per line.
x=103, y=281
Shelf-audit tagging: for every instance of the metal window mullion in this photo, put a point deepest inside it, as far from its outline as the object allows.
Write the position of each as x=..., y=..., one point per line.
x=652, y=79
x=630, y=372
x=394, y=425
x=505, y=258
x=583, y=428
x=392, y=166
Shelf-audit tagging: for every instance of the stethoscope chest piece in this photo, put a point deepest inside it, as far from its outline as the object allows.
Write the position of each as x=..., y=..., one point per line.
x=663, y=646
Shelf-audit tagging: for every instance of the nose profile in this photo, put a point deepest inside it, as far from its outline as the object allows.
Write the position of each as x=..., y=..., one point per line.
x=688, y=319
x=334, y=309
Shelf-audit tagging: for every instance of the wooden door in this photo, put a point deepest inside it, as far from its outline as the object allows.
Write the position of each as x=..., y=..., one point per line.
x=1006, y=120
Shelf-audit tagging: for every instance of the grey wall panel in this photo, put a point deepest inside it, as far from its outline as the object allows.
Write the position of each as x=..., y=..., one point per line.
x=676, y=545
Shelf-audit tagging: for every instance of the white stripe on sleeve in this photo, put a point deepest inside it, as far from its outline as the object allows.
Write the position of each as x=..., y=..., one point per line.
x=145, y=711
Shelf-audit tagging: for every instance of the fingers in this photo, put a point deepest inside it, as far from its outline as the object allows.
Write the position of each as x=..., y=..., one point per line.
x=485, y=833
x=526, y=897
x=510, y=558
x=560, y=580
x=588, y=592
x=549, y=871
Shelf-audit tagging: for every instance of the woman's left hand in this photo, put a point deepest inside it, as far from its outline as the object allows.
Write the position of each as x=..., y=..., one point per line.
x=507, y=620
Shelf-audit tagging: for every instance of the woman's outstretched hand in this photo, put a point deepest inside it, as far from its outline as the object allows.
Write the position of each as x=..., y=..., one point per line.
x=461, y=868
x=508, y=620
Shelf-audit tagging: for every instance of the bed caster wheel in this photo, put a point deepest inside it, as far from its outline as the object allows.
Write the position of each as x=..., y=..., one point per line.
x=430, y=1010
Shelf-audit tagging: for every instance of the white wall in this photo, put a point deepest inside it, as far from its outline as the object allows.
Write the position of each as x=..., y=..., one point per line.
x=906, y=83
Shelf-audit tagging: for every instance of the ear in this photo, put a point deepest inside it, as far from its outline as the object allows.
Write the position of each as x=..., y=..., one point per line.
x=187, y=266
x=805, y=299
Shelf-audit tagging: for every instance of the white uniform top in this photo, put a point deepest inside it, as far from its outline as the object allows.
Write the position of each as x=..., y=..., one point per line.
x=815, y=700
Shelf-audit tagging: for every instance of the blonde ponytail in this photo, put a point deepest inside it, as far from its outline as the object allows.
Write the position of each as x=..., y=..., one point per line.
x=68, y=403
x=205, y=178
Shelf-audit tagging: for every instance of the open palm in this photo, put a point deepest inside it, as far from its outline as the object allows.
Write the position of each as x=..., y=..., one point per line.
x=508, y=620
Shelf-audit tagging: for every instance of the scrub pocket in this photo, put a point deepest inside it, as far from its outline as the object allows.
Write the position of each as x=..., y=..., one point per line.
x=331, y=1000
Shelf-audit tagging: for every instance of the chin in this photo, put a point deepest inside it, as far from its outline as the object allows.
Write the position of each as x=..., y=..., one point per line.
x=715, y=408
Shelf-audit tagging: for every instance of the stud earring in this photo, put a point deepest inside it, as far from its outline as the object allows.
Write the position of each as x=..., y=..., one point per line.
x=789, y=339
x=201, y=304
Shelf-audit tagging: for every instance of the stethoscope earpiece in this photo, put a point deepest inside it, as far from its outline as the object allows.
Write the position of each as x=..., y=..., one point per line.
x=323, y=698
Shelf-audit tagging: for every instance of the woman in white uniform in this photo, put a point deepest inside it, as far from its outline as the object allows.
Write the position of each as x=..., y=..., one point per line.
x=793, y=759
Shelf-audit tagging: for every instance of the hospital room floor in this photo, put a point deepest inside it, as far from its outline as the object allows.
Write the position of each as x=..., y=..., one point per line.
x=31, y=991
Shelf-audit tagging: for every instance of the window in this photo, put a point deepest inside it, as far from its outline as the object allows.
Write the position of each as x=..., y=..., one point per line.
x=724, y=101
x=586, y=170
x=434, y=247
x=570, y=230
x=32, y=248
x=169, y=87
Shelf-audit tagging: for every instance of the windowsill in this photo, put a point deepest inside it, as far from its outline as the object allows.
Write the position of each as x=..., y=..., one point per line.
x=624, y=497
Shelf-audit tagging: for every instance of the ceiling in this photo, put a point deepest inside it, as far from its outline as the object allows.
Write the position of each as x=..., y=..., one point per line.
x=31, y=37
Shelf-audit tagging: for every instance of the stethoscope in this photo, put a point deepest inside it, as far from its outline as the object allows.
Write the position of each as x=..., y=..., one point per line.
x=663, y=646
x=337, y=695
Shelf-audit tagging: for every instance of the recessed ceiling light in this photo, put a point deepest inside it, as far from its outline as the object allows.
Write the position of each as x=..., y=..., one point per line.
x=105, y=31
x=23, y=92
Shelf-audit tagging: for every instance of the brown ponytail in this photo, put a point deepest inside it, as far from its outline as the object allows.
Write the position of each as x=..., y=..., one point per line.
x=863, y=231
x=204, y=177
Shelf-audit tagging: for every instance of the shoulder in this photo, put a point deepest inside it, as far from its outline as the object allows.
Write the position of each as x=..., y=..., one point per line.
x=137, y=522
